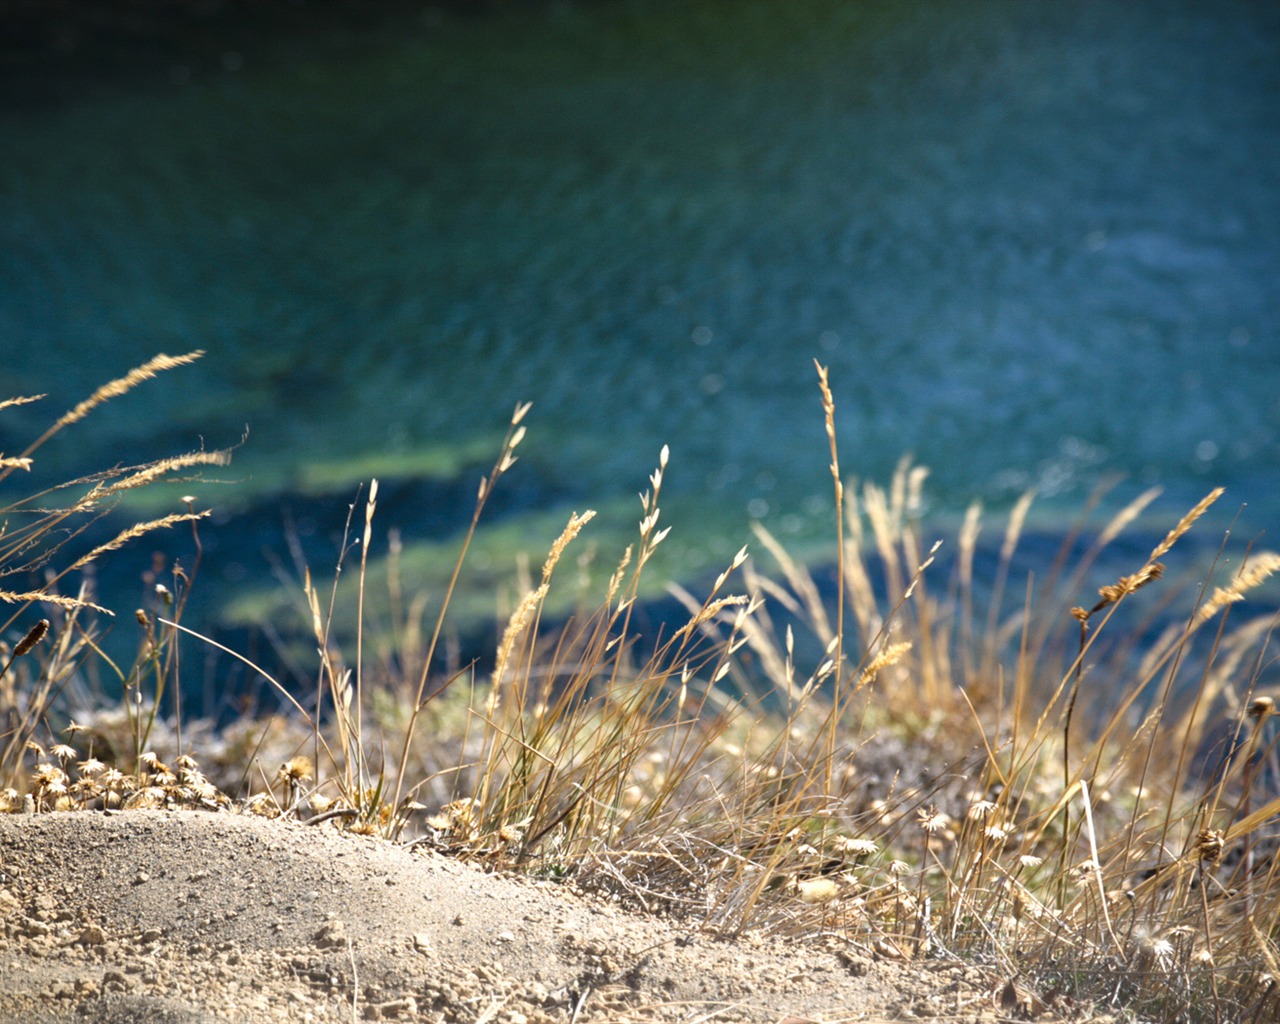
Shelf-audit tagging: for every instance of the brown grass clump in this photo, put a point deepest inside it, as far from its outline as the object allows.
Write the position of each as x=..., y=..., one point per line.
x=921, y=763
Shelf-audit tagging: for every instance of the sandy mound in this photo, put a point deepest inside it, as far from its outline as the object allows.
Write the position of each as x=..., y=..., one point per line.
x=184, y=916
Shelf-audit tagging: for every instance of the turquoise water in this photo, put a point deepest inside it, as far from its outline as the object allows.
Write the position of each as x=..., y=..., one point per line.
x=1035, y=243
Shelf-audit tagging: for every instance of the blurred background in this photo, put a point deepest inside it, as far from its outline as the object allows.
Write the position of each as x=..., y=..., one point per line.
x=1036, y=242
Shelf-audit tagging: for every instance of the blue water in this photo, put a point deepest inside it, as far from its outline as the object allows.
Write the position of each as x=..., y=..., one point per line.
x=1035, y=242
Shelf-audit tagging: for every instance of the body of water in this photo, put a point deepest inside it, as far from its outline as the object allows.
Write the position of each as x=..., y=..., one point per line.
x=1034, y=241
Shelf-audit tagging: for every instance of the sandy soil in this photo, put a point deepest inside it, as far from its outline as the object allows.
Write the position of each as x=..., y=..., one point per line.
x=183, y=917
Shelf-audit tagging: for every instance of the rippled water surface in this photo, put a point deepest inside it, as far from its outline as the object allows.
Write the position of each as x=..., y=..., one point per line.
x=1035, y=243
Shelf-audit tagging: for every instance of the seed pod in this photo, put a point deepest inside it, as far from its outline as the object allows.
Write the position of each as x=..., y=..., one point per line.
x=34, y=635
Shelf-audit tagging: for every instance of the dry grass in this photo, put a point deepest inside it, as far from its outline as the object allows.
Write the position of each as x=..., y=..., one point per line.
x=39, y=535
x=919, y=767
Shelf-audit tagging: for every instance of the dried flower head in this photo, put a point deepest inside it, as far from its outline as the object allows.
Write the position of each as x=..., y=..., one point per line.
x=1209, y=845
x=1154, y=945
x=931, y=819
x=982, y=809
x=263, y=805
x=855, y=847
x=208, y=792
x=510, y=834
x=46, y=775
x=1261, y=707
x=1085, y=869
x=113, y=778
x=459, y=819
x=149, y=798
x=295, y=770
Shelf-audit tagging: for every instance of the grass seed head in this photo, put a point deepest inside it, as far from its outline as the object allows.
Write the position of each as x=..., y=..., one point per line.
x=132, y=379
x=34, y=635
x=1128, y=584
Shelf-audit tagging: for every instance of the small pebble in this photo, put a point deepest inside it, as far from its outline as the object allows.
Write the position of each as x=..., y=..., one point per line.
x=92, y=935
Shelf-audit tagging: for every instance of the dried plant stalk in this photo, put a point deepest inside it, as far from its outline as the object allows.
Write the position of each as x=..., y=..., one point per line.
x=121, y=385
x=135, y=531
